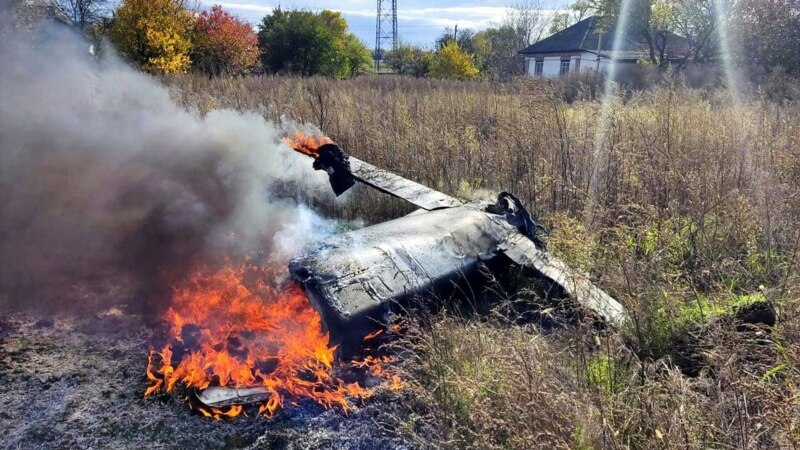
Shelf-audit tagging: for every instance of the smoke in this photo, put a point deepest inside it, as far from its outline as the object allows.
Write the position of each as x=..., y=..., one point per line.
x=100, y=171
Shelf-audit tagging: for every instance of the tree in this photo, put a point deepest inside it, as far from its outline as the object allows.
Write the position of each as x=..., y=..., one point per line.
x=574, y=14
x=223, y=44
x=409, y=60
x=155, y=34
x=26, y=14
x=772, y=31
x=656, y=23
x=496, y=48
x=358, y=58
x=527, y=19
x=82, y=13
x=307, y=43
x=464, y=38
x=497, y=51
x=452, y=62
x=694, y=20
x=652, y=20
x=560, y=21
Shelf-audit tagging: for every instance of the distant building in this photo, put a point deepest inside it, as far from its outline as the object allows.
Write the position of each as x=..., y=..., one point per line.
x=582, y=47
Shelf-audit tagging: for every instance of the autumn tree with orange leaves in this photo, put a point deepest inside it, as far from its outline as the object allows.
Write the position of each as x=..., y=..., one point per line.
x=223, y=44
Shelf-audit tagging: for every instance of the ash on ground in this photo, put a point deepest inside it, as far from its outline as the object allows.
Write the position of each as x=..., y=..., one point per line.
x=77, y=381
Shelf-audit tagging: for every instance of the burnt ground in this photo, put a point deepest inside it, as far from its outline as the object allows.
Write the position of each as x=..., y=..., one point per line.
x=76, y=381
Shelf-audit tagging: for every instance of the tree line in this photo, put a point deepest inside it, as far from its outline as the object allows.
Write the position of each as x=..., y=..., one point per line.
x=172, y=36
x=165, y=36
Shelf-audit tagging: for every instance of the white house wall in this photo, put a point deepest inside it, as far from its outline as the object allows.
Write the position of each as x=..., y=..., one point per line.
x=588, y=61
x=552, y=66
x=582, y=62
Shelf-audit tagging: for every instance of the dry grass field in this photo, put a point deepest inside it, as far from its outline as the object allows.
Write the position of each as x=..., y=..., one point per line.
x=692, y=219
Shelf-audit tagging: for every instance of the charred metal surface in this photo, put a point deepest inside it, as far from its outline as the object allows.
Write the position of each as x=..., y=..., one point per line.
x=355, y=279
x=591, y=298
x=419, y=195
x=343, y=170
x=217, y=397
x=336, y=164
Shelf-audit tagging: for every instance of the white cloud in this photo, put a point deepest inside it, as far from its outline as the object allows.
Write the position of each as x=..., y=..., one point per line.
x=249, y=7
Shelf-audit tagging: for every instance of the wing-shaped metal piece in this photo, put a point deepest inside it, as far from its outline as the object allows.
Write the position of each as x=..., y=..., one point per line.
x=524, y=252
x=390, y=183
x=344, y=170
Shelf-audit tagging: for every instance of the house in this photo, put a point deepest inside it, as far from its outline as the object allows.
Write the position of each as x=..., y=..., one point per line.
x=585, y=46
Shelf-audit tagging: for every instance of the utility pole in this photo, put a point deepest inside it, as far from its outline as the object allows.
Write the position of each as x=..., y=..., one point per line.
x=385, y=30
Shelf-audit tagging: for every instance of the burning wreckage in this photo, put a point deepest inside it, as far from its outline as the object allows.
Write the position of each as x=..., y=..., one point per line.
x=357, y=279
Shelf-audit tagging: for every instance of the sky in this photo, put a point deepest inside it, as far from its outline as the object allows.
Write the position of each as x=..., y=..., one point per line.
x=419, y=22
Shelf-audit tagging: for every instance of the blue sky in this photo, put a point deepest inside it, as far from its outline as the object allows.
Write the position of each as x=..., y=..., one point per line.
x=419, y=22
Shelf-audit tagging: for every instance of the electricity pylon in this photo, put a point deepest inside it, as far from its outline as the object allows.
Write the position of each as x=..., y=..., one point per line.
x=385, y=30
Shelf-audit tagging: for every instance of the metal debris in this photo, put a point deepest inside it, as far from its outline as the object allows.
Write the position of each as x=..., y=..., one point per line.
x=591, y=298
x=419, y=195
x=343, y=170
x=218, y=397
x=357, y=279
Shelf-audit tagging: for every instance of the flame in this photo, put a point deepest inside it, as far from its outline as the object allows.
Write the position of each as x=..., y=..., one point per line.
x=231, y=328
x=373, y=335
x=306, y=143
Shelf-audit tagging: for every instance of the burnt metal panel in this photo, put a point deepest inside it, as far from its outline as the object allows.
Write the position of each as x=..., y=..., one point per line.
x=522, y=251
x=419, y=195
x=343, y=170
x=354, y=279
x=217, y=397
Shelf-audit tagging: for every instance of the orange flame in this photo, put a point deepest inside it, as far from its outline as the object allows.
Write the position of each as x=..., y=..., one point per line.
x=306, y=143
x=231, y=328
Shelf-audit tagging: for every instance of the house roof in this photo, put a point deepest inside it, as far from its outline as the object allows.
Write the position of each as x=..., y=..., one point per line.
x=584, y=37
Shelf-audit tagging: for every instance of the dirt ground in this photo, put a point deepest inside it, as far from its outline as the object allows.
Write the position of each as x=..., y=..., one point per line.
x=77, y=381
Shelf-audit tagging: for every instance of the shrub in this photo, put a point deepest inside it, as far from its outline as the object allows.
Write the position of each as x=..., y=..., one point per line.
x=452, y=62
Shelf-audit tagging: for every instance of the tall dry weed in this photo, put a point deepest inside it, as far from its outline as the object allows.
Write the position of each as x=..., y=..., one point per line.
x=697, y=211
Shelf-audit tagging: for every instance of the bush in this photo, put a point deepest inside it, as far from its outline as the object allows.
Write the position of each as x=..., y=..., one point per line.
x=452, y=62
x=408, y=60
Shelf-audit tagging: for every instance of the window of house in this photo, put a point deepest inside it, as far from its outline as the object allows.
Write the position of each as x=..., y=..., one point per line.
x=538, y=67
x=564, y=66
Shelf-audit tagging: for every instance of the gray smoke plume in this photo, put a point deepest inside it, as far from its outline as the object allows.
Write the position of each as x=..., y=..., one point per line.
x=100, y=170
